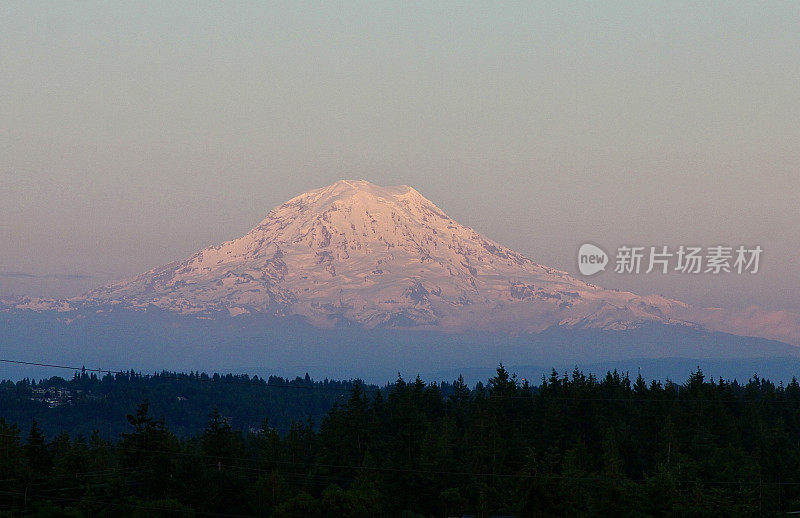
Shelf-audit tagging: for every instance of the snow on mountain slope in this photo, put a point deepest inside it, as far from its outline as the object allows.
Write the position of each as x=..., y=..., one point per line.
x=379, y=256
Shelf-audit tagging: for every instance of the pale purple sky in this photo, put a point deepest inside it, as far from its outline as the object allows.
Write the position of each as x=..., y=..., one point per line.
x=134, y=135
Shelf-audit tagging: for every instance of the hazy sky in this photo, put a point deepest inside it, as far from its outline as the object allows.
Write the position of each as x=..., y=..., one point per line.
x=132, y=135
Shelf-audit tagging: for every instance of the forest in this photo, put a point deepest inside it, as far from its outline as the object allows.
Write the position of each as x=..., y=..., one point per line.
x=87, y=403
x=574, y=445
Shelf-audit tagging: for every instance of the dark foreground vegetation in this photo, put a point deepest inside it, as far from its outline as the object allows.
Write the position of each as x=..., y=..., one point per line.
x=87, y=403
x=573, y=446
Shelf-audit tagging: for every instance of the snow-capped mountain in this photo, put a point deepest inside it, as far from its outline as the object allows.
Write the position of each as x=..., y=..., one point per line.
x=379, y=257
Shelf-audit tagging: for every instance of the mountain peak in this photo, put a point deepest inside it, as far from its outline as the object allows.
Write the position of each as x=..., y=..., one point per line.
x=354, y=191
x=356, y=210
x=366, y=185
x=354, y=251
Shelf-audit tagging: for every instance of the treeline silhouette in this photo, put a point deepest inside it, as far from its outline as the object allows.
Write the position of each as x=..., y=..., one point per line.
x=573, y=446
x=88, y=402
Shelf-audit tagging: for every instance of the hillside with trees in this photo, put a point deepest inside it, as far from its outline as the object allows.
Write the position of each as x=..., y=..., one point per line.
x=573, y=446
